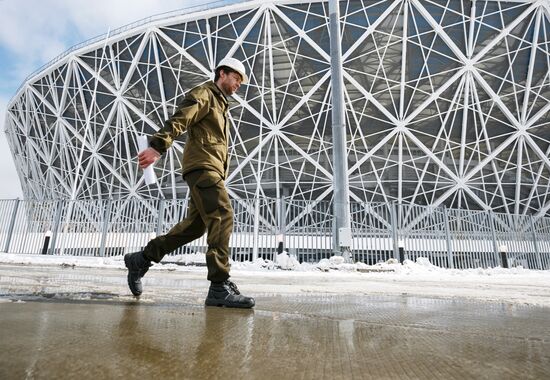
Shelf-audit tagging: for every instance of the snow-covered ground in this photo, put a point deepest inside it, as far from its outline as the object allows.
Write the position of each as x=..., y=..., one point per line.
x=287, y=276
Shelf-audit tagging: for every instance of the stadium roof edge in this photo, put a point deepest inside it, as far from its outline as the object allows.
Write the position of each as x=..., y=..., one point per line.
x=197, y=12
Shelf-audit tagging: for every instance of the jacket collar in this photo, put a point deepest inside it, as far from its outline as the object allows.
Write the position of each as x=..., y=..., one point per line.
x=216, y=90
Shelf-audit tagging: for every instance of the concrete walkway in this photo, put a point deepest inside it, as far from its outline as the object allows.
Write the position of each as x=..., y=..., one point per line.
x=55, y=325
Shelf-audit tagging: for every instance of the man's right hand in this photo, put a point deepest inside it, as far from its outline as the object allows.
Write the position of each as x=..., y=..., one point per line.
x=147, y=157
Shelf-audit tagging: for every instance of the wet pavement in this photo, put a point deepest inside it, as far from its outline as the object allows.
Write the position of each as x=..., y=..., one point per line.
x=55, y=325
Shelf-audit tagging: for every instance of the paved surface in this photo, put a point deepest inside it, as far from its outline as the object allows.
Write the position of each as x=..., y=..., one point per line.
x=55, y=325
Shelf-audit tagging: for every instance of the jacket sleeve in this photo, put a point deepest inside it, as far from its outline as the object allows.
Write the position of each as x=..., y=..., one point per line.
x=194, y=107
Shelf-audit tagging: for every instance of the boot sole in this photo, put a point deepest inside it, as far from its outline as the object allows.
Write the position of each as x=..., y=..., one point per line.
x=222, y=303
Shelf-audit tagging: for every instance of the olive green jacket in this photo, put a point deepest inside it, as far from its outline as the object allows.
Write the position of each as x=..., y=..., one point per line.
x=203, y=113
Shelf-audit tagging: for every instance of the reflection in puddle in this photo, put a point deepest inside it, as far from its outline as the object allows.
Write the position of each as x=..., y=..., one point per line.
x=69, y=335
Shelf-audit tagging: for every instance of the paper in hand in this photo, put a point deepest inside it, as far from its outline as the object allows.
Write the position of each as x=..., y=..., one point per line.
x=148, y=172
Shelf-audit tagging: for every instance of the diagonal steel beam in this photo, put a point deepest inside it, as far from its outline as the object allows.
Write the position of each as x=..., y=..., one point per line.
x=300, y=32
x=370, y=97
x=435, y=95
x=120, y=98
x=428, y=152
x=504, y=33
x=373, y=150
x=239, y=41
x=361, y=40
x=439, y=31
x=483, y=122
x=304, y=99
x=531, y=65
x=487, y=88
x=82, y=140
x=124, y=86
x=40, y=152
x=250, y=156
x=305, y=155
x=537, y=116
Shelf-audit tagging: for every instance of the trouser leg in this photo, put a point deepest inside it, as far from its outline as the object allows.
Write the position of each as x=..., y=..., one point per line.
x=212, y=202
x=189, y=229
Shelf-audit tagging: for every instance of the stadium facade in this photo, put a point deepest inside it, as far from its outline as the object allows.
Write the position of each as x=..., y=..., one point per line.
x=447, y=103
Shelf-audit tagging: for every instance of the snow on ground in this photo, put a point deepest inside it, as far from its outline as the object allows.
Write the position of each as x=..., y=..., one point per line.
x=287, y=276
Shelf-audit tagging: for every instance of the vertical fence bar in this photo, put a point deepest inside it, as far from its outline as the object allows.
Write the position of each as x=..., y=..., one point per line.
x=515, y=237
x=535, y=244
x=528, y=246
x=541, y=226
x=448, y=237
x=494, y=236
x=394, y=229
x=480, y=239
x=483, y=241
x=455, y=238
x=11, y=225
x=56, y=224
x=160, y=220
x=256, y=229
x=466, y=241
x=471, y=220
x=463, y=234
x=411, y=245
x=437, y=233
x=105, y=231
x=443, y=222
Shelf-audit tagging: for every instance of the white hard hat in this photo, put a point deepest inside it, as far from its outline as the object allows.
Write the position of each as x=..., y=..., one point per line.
x=236, y=65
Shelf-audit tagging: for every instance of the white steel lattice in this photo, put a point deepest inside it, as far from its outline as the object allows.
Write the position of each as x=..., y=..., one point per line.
x=447, y=104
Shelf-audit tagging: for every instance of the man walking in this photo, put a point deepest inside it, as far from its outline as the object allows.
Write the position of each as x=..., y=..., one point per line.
x=203, y=113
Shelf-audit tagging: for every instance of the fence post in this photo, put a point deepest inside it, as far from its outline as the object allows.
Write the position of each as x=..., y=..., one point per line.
x=12, y=225
x=394, y=227
x=106, y=219
x=160, y=222
x=56, y=223
x=494, y=235
x=537, y=252
x=448, y=236
x=281, y=226
x=256, y=231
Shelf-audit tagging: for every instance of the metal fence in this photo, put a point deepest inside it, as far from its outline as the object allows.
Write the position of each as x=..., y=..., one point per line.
x=449, y=238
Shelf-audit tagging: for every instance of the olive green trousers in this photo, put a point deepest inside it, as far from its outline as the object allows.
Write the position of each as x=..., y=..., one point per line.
x=209, y=209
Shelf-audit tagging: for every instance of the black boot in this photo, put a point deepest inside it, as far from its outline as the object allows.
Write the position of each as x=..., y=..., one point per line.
x=137, y=265
x=226, y=294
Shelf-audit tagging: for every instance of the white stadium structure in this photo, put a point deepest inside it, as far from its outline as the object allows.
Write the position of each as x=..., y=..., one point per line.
x=447, y=104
